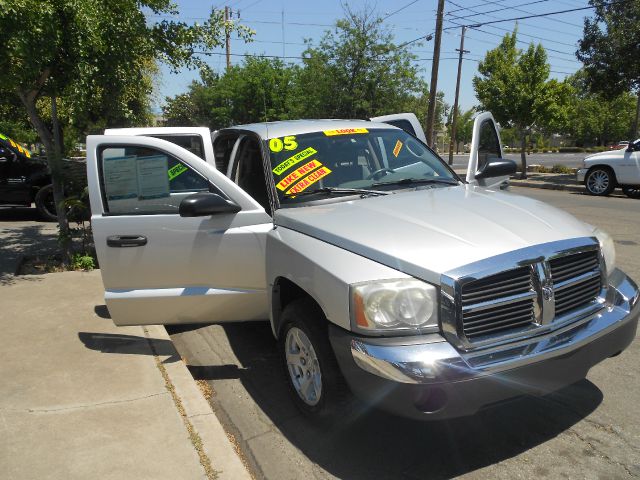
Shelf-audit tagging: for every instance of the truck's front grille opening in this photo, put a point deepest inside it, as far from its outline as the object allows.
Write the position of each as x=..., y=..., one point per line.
x=577, y=281
x=498, y=304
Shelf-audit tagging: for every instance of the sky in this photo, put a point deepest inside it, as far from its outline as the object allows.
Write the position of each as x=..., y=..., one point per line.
x=275, y=21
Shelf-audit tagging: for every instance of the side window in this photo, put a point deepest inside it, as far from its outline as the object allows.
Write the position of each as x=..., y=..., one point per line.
x=222, y=148
x=489, y=145
x=404, y=125
x=140, y=180
x=193, y=143
x=249, y=172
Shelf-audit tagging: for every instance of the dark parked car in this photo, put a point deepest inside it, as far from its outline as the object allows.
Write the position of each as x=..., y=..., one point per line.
x=24, y=179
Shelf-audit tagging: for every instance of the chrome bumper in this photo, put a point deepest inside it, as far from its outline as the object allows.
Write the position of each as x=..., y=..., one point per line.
x=580, y=174
x=435, y=361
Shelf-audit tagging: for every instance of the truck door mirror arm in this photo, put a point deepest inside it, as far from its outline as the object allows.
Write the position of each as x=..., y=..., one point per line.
x=206, y=203
x=497, y=168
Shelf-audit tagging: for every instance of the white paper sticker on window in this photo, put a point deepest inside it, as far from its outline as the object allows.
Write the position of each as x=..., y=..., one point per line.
x=153, y=181
x=120, y=177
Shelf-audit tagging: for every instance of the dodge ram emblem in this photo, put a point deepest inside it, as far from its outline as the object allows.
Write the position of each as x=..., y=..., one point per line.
x=547, y=293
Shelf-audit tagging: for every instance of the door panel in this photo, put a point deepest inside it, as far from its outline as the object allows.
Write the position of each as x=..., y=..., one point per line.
x=190, y=270
x=628, y=168
x=485, y=147
x=406, y=121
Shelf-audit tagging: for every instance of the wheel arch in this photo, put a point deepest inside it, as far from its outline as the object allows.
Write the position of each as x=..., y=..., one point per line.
x=283, y=292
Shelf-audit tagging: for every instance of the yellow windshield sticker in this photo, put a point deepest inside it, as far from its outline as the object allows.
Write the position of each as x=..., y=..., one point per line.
x=176, y=170
x=288, y=143
x=295, y=159
x=3, y=137
x=345, y=131
x=27, y=153
x=310, y=179
x=397, y=148
x=13, y=144
x=298, y=174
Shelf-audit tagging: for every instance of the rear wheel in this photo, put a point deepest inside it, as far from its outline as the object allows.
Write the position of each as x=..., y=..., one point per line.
x=632, y=192
x=316, y=384
x=600, y=181
x=45, y=205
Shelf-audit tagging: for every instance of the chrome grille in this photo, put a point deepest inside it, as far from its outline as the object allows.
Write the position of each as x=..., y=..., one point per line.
x=576, y=280
x=498, y=304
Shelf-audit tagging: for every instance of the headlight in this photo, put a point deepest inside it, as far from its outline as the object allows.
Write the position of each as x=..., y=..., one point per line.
x=403, y=306
x=608, y=249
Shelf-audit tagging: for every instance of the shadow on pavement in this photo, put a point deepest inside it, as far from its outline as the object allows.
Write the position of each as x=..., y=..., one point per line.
x=128, y=344
x=372, y=444
x=21, y=232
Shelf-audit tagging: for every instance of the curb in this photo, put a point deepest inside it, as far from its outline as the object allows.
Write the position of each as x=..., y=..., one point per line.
x=198, y=411
x=547, y=186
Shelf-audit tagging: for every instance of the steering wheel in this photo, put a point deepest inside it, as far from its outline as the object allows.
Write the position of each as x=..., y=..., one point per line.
x=380, y=170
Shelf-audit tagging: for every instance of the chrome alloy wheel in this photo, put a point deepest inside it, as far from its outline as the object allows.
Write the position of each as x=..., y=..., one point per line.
x=598, y=182
x=303, y=366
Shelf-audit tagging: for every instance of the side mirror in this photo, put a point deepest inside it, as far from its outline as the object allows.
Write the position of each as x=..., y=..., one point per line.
x=497, y=168
x=630, y=147
x=206, y=203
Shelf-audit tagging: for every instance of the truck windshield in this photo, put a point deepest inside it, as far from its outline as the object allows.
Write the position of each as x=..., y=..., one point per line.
x=356, y=159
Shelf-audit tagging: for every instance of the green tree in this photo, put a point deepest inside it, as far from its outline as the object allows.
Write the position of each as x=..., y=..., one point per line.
x=594, y=118
x=513, y=85
x=464, y=129
x=610, y=49
x=259, y=89
x=356, y=71
x=82, y=51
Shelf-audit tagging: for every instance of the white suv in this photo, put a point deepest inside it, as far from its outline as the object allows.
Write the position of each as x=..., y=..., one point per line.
x=602, y=172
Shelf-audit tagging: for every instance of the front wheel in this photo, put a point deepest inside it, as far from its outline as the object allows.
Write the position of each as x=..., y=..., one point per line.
x=632, y=192
x=600, y=182
x=45, y=205
x=316, y=384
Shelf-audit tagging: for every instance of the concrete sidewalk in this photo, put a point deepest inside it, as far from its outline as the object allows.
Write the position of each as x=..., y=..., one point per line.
x=547, y=181
x=81, y=398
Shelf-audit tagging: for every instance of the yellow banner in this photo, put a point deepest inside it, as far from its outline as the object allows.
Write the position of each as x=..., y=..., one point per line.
x=298, y=174
x=397, y=148
x=291, y=161
x=309, y=180
x=345, y=131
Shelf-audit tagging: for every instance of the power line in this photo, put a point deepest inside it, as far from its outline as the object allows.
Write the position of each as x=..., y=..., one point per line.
x=480, y=24
x=399, y=9
x=515, y=8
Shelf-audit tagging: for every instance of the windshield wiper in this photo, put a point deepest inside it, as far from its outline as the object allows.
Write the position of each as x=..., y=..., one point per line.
x=338, y=191
x=413, y=181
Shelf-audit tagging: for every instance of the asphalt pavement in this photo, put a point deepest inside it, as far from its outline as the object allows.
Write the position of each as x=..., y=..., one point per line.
x=589, y=430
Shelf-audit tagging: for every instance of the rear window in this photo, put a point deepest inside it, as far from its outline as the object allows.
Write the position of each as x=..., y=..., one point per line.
x=193, y=143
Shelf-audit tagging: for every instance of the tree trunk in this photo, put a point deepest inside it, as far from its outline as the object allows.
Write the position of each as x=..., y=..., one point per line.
x=636, y=120
x=523, y=154
x=54, y=158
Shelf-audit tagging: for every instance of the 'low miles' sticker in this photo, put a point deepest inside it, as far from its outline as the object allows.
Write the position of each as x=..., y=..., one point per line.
x=291, y=161
x=309, y=180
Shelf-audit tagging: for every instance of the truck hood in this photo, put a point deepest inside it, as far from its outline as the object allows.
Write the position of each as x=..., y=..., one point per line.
x=427, y=232
x=619, y=153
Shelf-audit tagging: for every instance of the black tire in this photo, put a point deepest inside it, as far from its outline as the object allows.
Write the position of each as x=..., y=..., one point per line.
x=306, y=316
x=45, y=205
x=632, y=192
x=600, y=181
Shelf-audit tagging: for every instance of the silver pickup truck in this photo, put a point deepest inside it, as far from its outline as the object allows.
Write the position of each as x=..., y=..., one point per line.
x=381, y=271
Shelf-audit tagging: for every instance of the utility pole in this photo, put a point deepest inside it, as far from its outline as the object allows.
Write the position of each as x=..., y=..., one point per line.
x=227, y=37
x=431, y=113
x=454, y=124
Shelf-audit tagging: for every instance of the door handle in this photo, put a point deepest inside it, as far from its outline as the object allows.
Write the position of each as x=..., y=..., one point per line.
x=126, y=241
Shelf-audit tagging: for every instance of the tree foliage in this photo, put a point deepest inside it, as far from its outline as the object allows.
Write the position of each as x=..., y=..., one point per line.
x=513, y=84
x=356, y=71
x=595, y=118
x=93, y=56
x=610, y=49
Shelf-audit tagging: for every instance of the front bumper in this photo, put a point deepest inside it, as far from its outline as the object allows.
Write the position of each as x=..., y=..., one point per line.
x=427, y=378
x=580, y=174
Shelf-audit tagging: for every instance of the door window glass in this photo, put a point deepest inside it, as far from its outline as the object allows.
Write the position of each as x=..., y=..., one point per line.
x=141, y=180
x=489, y=145
x=249, y=172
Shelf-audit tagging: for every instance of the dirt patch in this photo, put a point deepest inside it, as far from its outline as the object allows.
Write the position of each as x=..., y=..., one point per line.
x=52, y=263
